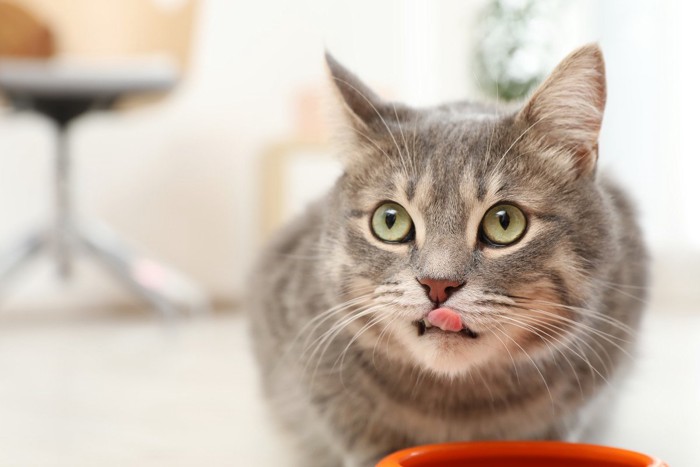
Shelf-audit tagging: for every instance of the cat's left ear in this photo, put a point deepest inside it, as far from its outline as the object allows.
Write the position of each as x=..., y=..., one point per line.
x=566, y=111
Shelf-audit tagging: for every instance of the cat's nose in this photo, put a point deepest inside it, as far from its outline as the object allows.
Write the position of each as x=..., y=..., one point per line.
x=439, y=290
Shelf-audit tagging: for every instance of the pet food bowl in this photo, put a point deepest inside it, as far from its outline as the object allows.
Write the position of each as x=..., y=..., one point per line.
x=517, y=454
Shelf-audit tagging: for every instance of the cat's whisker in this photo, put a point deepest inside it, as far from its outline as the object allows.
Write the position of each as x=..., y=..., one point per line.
x=531, y=329
x=544, y=335
x=592, y=335
x=625, y=293
x=326, y=339
x=416, y=381
x=617, y=284
x=340, y=359
x=372, y=322
x=370, y=140
x=321, y=318
x=319, y=357
x=413, y=145
x=350, y=309
x=527, y=130
x=382, y=334
x=515, y=366
x=488, y=147
x=365, y=292
x=610, y=338
x=361, y=94
x=539, y=333
x=405, y=145
x=577, y=339
x=589, y=313
x=527, y=355
x=582, y=311
x=487, y=386
x=612, y=285
x=493, y=126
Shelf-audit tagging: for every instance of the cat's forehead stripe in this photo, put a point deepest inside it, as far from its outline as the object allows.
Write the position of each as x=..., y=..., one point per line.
x=480, y=189
x=410, y=189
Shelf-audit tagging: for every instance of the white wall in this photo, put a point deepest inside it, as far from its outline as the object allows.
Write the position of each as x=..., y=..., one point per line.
x=179, y=177
x=678, y=121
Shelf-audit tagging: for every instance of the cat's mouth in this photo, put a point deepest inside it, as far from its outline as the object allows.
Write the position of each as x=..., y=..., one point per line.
x=426, y=328
x=444, y=320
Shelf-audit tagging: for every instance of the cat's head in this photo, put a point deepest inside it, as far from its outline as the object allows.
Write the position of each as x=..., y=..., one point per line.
x=465, y=232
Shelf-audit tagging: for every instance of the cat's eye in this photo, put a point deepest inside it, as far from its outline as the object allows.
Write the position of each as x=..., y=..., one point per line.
x=503, y=224
x=391, y=223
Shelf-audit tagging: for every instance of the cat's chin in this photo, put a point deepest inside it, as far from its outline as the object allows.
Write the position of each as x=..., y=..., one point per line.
x=448, y=353
x=454, y=363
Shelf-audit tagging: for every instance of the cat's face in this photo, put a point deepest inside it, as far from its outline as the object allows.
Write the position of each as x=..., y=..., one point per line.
x=470, y=232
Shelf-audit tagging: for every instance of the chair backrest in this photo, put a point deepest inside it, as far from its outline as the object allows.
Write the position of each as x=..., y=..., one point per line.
x=119, y=28
x=23, y=34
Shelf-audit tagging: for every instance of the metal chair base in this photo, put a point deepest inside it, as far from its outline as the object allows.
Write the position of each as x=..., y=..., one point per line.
x=158, y=285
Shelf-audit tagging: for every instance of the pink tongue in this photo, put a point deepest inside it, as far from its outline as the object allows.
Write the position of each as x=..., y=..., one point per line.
x=446, y=319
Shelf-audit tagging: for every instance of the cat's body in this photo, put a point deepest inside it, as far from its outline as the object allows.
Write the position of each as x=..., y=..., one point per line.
x=544, y=323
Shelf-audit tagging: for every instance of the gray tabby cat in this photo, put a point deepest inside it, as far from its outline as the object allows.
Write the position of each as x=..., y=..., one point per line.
x=470, y=276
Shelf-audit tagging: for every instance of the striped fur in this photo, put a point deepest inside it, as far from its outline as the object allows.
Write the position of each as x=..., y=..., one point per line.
x=332, y=316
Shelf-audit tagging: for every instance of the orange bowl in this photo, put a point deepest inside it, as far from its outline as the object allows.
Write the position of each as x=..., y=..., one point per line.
x=517, y=454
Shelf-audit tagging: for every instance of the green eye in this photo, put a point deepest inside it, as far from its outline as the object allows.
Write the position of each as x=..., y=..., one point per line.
x=391, y=223
x=503, y=224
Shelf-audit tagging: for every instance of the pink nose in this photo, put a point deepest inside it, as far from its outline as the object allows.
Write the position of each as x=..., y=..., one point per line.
x=439, y=290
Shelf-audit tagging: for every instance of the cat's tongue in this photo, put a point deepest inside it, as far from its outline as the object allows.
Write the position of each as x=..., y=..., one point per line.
x=445, y=319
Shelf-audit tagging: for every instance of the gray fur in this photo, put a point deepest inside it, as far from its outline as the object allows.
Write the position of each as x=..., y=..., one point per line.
x=555, y=313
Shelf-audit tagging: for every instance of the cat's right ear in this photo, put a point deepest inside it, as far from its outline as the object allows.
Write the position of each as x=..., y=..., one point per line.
x=361, y=106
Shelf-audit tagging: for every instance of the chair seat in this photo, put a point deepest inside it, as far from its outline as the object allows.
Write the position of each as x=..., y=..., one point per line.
x=71, y=78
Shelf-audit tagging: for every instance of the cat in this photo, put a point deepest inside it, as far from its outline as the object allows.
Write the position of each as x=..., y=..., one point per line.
x=470, y=276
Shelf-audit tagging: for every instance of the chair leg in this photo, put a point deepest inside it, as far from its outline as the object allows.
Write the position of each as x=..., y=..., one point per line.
x=166, y=290
x=160, y=286
x=63, y=221
x=12, y=260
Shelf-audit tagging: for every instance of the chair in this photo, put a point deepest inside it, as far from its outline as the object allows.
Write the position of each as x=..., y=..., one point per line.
x=63, y=89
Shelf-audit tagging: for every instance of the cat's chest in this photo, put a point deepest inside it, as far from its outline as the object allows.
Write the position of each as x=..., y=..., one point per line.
x=451, y=416
x=466, y=423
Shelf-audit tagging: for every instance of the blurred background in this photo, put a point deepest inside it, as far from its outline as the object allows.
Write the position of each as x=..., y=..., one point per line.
x=203, y=130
